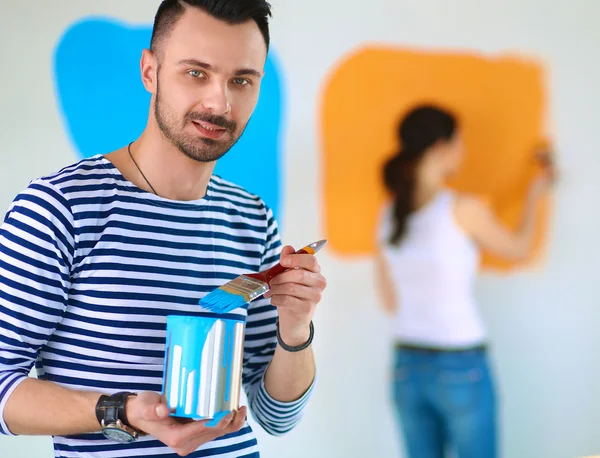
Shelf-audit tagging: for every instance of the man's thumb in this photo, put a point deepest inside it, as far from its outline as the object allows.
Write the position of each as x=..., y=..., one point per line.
x=156, y=412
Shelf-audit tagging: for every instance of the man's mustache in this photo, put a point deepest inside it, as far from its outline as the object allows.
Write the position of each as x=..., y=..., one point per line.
x=220, y=121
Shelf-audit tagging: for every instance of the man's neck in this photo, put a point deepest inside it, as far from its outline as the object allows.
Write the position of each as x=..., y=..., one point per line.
x=170, y=172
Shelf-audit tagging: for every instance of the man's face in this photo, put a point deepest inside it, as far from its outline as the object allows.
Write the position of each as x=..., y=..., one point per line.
x=208, y=81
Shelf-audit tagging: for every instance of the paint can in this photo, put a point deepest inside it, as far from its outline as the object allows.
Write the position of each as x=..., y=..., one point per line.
x=203, y=366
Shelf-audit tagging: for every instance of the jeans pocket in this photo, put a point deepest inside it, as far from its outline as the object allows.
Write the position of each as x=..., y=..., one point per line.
x=460, y=389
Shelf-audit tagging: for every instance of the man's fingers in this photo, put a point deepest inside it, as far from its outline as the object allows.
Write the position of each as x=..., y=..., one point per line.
x=300, y=276
x=236, y=424
x=287, y=250
x=188, y=437
x=300, y=261
x=288, y=295
x=226, y=421
x=239, y=421
x=188, y=431
x=233, y=421
x=192, y=438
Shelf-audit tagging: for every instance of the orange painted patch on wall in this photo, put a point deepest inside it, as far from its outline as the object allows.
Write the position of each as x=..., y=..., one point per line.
x=500, y=103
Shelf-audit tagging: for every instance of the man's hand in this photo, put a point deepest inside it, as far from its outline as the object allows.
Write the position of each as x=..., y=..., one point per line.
x=149, y=413
x=296, y=294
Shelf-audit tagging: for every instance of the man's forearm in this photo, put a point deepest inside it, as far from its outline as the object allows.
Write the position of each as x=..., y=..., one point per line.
x=38, y=407
x=290, y=374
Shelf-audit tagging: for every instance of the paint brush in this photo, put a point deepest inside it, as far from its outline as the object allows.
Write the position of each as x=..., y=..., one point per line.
x=248, y=287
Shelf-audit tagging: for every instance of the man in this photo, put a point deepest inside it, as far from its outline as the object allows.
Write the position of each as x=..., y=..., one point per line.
x=94, y=257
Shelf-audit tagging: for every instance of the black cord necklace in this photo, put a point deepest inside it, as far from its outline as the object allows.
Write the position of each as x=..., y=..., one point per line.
x=138, y=167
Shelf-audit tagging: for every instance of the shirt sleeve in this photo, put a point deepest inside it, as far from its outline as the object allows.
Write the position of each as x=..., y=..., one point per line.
x=276, y=417
x=36, y=253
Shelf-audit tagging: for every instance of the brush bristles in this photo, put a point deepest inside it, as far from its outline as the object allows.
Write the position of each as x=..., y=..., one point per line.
x=221, y=301
x=234, y=294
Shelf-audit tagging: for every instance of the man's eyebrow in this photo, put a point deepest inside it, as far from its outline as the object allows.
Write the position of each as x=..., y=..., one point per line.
x=196, y=63
x=207, y=66
x=248, y=71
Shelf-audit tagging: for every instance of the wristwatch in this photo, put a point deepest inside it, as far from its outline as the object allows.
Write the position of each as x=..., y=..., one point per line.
x=110, y=412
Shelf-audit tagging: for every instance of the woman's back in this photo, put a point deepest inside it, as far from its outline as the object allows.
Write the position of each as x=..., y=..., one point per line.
x=426, y=268
x=434, y=269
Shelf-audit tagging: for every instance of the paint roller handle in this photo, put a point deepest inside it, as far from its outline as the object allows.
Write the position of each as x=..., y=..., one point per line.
x=277, y=269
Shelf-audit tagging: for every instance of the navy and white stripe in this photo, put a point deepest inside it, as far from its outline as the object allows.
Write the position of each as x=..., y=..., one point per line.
x=90, y=266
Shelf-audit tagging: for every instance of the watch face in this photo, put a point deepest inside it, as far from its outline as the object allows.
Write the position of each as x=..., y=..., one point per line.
x=117, y=434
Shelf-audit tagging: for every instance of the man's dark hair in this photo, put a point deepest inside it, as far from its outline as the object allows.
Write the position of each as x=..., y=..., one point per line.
x=230, y=11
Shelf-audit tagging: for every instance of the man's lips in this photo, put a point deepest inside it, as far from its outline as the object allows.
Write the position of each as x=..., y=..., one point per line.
x=209, y=130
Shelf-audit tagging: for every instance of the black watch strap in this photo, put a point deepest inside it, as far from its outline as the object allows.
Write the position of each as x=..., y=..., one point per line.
x=291, y=348
x=112, y=408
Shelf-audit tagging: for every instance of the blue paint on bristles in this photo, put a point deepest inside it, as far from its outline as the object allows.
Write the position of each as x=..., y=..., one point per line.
x=234, y=294
x=222, y=301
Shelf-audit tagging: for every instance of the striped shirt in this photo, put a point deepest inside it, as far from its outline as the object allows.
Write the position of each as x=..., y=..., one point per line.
x=91, y=265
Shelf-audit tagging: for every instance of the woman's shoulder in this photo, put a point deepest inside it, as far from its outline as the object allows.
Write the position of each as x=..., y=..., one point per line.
x=469, y=201
x=469, y=208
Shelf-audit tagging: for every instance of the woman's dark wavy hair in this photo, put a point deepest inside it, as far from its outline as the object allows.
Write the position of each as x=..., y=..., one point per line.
x=418, y=131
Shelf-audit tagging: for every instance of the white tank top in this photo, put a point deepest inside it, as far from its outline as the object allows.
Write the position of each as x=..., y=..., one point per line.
x=434, y=270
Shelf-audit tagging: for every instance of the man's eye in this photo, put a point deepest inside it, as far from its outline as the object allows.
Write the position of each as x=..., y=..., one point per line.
x=196, y=73
x=241, y=81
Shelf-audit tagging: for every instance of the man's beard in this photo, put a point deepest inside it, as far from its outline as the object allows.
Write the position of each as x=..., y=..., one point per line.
x=195, y=147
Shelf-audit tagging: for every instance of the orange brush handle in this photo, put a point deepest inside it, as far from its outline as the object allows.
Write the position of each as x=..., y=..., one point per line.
x=277, y=269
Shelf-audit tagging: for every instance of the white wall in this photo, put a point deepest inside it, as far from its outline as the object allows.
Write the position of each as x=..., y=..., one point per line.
x=542, y=324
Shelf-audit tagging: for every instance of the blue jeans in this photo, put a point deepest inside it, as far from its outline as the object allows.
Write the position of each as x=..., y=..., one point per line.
x=445, y=401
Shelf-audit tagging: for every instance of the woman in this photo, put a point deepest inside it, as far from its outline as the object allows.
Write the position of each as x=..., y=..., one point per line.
x=430, y=244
